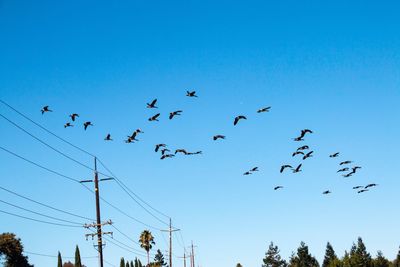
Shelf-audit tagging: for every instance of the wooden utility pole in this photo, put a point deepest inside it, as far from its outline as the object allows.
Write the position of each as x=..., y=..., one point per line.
x=184, y=257
x=98, y=223
x=192, y=254
x=170, y=230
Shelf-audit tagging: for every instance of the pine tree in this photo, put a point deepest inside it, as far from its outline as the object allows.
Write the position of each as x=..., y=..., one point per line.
x=78, y=262
x=122, y=262
x=239, y=265
x=396, y=262
x=380, y=260
x=346, y=260
x=59, y=264
x=361, y=256
x=127, y=264
x=303, y=258
x=330, y=260
x=272, y=257
x=131, y=264
x=159, y=259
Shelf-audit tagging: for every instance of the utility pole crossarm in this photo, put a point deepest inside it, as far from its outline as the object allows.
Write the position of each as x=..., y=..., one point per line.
x=170, y=231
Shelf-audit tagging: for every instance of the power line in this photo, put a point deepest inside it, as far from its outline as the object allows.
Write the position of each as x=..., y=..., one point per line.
x=54, y=256
x=32, y=219
x=45, y=205
x=44, y=143
x=48, y=131
x=134, y=241
x=40, y=166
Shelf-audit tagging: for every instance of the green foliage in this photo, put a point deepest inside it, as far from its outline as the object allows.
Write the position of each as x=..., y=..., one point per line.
x=78, y=262
x=330, y=259
x=68, y=264
x=238, y=265
x=146, y=241
x=303, y=258
x=380, y=260
x=59, y=260
x=272, y=257
x=122, y=262
x=11, y=249
x=127, y=264
x=159, y=259
x=138, y=263
x=396, y=262
x=361, y=257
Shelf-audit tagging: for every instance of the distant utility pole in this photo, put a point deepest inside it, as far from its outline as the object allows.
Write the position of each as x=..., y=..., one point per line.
x=98, y=223
x=184, y=257
x=170, y=230
x=192, y=256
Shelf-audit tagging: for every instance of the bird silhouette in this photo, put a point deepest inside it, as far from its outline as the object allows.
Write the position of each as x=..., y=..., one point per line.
x=326, y=192
x=345, y=162
x=174, y=113
x=183, y=151
x=297, y=153
x=164, y=150
x=362, y=191
x=297, y=169
x=68, y=124
x=191, y=94
x=108, y=137
x=355, y=168
x=263, y=110
x=358, y=187
x=255, y=169
x=167, y=156
x=302, y=148
x=238, y=118
x=45, y=109
x=343, y=170
x=195, y=153
x=129, y=140
x=139, y=130
x=302, y=134
x=247, y=173
x=87, y=124
x=348, y=174
x=155, y=117
x=73, y=116
x=152, y=104
x=308, y=155
x=158, y=147
x=370, y=185
x=218, y=136
x=334, y=155
x=283, y=167
x=278, y=187
x=133, y=136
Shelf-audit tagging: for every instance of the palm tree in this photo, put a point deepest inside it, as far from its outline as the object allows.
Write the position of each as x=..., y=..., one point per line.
x=146, y=241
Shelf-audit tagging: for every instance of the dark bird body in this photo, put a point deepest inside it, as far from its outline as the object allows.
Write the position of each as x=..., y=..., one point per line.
x=167, y=156
x=362, y=191
x=238, y=118
x=345, y=162
x=45, y=109
x=343, y=170
x=308, y=155
x=158, y=147
x=302, y=148
x=73, y=116
x=370, y=185
x=108, y=137
x=263, y=110
x=358, y=187
x=87, y=124
x=152, y=104
x=278, y=187
x=183, y=151
x=334, y=155
x=191, y=94
x=297, y=153
x=297, y=169
x=216, y=137
x=326, y=192
x=155, y=117
x=175, y=113
x=68, y=124
x=283, y=167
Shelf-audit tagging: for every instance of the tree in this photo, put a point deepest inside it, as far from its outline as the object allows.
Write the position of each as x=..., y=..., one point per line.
x=146, y=241
x=68, y=264
x=330, y=259
x=238, y=265
x=396, y=262
x=122, y=262
x=360, y=256
x=138, y=263
x=59, y=260
x=272, y=257
x=380, y=260
x=11, y=248
x=159, y=259
x=127, y=264
x=78, y=262
x=303, y=258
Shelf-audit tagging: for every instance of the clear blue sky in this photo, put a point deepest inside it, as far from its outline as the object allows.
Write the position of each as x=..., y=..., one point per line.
x=332, y=67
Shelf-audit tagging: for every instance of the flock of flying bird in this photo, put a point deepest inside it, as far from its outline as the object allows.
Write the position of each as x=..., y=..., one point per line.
x=304, y=150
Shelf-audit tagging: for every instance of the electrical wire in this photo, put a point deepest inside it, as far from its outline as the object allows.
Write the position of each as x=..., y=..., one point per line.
x=45, y=205
x=32, y=219
x=54, y=256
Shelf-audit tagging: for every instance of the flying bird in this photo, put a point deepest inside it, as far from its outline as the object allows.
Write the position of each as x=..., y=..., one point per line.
x=108, y=137
x=297, y=169
x=370, y=185
x=238, y=118
x=183, y=151
x=247, y=173
x=302, y=148
x=68, y=124
x=326, y=192
x=302, y=134
x=167, y=156
x=175, y=113
x=308, y=155
x=155, y=117
x=139, y=130
x=283, y=167
x=158, y=147
x=278, y=187
x=218, y=136
x=355, y=168
x=152, y=104
x=133, y=136
x=358, y=187
x=334, y=155
x=191, y=94
x=195, y=153
x=255, y=169
x=345, y=162
x=343, y=170
x=297, y=153
x=263, y=110
x=348, y=175
x=45, y=109
x=362, y=191
x=87, y=124
x=73, y=116
x=164, y=150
